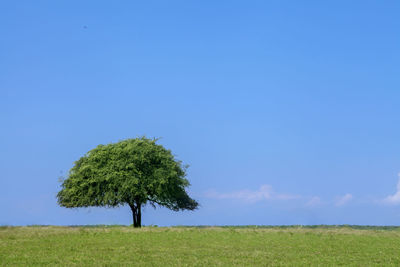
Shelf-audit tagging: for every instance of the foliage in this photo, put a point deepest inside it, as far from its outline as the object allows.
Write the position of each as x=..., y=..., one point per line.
x=134, y=172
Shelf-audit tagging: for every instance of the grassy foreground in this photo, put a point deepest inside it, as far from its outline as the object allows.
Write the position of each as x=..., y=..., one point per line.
x=193, y=246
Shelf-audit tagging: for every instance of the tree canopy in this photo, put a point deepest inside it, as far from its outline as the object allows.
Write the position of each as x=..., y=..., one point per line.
x=132, y=172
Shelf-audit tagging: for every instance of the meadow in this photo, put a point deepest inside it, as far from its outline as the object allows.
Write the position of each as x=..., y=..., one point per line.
x=199, y=246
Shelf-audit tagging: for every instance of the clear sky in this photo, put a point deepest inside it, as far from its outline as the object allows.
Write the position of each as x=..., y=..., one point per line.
x=288, y=112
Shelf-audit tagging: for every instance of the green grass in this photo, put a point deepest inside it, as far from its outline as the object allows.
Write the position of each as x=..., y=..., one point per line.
x=200, y=246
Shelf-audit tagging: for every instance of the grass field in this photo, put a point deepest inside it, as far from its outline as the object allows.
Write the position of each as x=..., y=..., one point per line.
x=199, y=246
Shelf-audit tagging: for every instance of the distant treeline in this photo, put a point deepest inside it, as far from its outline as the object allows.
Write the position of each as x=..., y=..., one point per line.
x=321, y=226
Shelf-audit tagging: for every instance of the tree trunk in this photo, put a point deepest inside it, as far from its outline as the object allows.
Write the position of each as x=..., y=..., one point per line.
x=139, y=215
x=136, y=214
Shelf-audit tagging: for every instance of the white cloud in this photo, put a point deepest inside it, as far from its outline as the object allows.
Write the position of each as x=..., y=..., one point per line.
x=265, y=192
x=340, y=201
x=314, y=201
x=395, y=198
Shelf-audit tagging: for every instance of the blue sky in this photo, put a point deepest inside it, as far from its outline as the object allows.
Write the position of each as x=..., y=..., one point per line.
x=287, y=111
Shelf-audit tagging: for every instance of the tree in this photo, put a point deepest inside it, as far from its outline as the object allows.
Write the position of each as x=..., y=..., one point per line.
x=135, y=172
